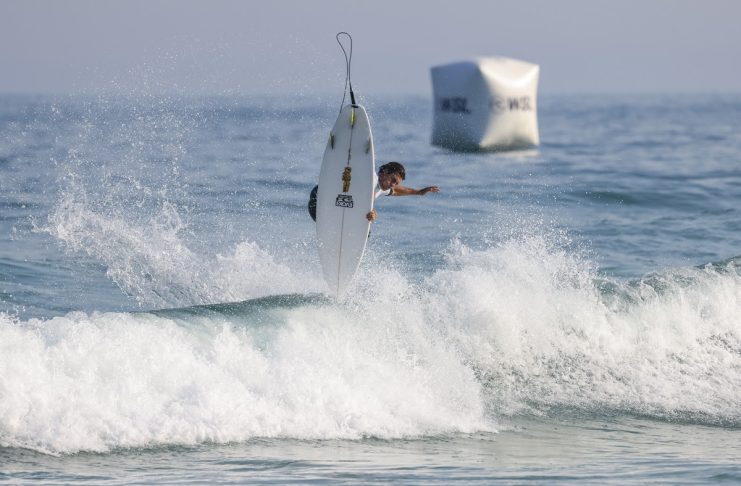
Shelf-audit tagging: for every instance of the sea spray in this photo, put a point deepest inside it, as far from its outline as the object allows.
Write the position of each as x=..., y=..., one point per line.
x=532, y=321
x=153, y=263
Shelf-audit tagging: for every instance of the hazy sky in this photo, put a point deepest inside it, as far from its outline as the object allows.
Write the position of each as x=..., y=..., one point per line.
x=256, y=47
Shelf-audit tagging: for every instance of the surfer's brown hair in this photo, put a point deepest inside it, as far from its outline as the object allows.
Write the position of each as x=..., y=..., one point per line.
x=393, y=168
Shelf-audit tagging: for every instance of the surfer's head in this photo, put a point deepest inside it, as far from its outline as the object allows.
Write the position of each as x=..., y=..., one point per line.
x=390, y=175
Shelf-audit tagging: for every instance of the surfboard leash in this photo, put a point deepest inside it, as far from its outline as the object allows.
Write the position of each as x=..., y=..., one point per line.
x=348, y=61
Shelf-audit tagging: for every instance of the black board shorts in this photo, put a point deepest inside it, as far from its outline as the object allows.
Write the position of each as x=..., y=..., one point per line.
x=312, y=203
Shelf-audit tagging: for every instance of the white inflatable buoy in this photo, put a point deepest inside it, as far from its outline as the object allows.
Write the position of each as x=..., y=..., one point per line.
x=488, y=103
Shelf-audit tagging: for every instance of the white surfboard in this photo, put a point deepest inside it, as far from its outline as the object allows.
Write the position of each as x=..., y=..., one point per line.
x=345, y=197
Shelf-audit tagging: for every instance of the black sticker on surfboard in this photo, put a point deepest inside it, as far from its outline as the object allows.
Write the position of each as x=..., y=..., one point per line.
x=344, y=201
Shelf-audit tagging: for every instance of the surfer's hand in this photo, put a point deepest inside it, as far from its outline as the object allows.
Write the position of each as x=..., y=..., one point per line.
x=424, y=191
x=372, y=215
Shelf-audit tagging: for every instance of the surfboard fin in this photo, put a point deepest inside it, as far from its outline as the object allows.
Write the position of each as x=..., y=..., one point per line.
x=331, y=140
x=367, y=146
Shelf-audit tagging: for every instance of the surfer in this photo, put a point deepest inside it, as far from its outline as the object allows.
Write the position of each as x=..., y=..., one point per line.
x=388, y=183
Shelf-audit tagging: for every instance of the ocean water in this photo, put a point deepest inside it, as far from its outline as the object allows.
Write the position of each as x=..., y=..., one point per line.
x=565, y=314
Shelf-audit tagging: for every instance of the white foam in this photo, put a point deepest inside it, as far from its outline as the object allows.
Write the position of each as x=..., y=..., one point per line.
x=519, y=326
x=101, y=381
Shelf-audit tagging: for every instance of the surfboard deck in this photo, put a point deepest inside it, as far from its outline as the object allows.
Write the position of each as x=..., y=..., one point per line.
x=345, y=197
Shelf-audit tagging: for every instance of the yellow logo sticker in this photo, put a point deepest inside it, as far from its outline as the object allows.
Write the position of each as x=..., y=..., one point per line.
x=346, y=177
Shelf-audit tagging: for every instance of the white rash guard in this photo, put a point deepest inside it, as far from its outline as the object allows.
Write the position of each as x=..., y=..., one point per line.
x=378, y=192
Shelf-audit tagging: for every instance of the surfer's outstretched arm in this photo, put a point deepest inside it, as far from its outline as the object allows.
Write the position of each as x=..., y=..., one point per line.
x=408, y=191
x=403, y=191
